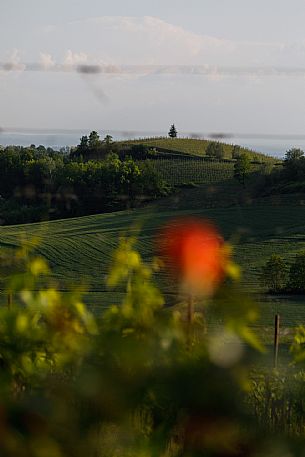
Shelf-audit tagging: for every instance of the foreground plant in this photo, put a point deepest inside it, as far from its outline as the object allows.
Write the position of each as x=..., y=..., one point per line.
x=128, y=382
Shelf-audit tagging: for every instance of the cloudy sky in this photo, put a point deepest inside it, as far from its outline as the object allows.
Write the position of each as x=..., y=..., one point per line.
x=215, y=33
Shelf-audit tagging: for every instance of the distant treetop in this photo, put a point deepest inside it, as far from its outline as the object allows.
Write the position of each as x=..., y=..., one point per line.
x=294, y=154
x=173, y=131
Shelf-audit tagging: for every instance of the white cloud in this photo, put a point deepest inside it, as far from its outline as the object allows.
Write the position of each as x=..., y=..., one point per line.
x=74, y=58
x=150, y=40
x=14, y=56
x=158, y=40
x=46, y=60
x=14, y=61
x=155, y=98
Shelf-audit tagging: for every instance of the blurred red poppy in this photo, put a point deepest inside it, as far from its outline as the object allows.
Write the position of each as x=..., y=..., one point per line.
x=195, y=252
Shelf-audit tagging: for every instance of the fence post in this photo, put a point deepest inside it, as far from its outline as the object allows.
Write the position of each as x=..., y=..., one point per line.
x=276, y=339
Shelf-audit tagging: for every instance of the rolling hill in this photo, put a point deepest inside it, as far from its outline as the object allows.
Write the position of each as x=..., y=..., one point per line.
x=183, y=162
x=195, y=147
x=79, y=250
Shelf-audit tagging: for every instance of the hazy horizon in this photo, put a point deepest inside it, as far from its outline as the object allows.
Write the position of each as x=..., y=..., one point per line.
x=275, y=147
x=206, y=32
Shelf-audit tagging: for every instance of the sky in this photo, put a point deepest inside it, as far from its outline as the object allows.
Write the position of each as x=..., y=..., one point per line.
x=215, y=33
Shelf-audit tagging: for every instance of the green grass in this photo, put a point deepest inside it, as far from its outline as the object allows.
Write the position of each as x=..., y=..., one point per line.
x=189, y=169
x=195, y=147
x=79, y=250
x=197, y=171
x=81, y=247
x=181, y=171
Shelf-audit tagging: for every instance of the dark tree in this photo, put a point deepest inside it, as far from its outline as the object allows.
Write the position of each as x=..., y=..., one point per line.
x=94, y=140
x=215, y=149
x=108, y=140
x=84, y=145
x=294, y=165
x=297, y=274
x=81, y=149
x=139, y=151
x=236, y=150
x=293, y=154
x=84, y=142
x=210, y=150
x=41, y=149
x=242, y=168
x=219, y=151
x=173, y=131
x=274, y=274
x=108, y=143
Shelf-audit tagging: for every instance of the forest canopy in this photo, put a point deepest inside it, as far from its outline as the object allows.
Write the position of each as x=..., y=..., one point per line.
x=38, y=184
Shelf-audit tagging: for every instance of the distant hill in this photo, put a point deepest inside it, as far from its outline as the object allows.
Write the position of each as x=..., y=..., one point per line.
x=195, y=147
x=183, y=161
x=79, y=250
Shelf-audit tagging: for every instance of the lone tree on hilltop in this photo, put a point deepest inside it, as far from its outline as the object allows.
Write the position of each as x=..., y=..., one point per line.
x=274, y=274
x=173, y=132
x=242, y=168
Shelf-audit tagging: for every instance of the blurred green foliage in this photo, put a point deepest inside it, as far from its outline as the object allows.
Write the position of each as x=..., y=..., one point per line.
x=40, y=185
x=138, y=380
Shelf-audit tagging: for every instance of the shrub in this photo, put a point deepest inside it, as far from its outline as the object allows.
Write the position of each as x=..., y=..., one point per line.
x=215, y=149
x=274, y=274
x=297, y=274
x=138, y=379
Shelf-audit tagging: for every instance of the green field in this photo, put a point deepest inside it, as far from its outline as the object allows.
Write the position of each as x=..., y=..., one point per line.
x=197, y=171
x=191, y=167
x=187, y=170
x=79, y=250
x=194, y=147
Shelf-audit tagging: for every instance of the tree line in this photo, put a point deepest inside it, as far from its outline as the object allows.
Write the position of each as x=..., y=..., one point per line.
x=278, y=276
x=38, y=184
x=291, y=176
x=98, y=175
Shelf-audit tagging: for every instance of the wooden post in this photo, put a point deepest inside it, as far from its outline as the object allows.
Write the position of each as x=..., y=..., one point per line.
x=9, y=300
x=276, y=339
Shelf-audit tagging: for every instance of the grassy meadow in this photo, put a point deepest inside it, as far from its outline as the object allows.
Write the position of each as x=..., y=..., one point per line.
x=187, y=170
x=196, y=147
x=79, y=250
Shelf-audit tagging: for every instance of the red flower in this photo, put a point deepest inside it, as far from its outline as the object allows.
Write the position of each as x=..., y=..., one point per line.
x=194, y=251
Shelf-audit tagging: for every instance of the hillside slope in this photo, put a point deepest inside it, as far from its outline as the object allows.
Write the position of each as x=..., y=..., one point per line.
x=195, y=147
x=79, y=250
